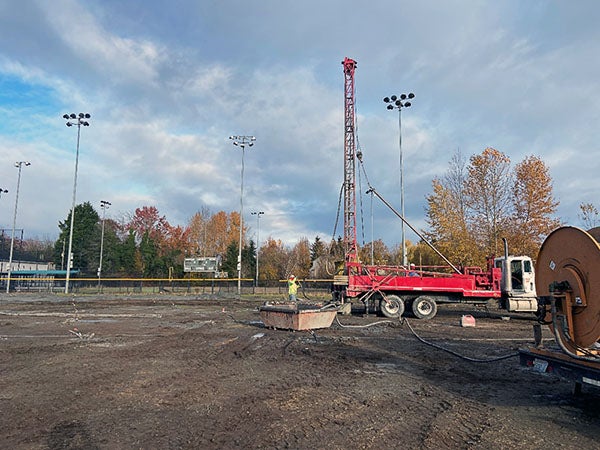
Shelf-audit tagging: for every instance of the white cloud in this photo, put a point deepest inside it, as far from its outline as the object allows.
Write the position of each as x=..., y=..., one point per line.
x=166, y=87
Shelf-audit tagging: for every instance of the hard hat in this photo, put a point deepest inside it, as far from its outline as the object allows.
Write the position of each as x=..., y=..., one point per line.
x=292, y=277
x=412, y=265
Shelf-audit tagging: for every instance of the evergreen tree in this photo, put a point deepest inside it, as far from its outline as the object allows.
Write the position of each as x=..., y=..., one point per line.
x=152, y=266
x=127, y=256
x=317, y=248
x=249, y=260
x=111, y=249
x=229, y=264
x=86, y=240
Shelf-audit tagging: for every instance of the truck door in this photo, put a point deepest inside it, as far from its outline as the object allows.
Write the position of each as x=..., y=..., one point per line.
x=516, y=274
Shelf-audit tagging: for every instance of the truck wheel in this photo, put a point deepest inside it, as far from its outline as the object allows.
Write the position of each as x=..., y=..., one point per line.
x=391, y=306
x=424, y=307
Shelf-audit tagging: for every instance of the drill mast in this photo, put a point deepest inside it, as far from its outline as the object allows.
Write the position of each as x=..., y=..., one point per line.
x=350, y=246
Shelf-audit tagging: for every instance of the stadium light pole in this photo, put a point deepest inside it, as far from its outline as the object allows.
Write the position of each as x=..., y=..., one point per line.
x=78, y=121
x=398, y=103
x=242, y=142
x=18, y=165
x=103, y=204
x=257, y=214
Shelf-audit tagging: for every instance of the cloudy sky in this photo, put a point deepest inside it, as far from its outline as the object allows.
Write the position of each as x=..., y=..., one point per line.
x=167, y=83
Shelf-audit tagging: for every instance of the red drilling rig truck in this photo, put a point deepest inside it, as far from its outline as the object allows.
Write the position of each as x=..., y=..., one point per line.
x=392, y=290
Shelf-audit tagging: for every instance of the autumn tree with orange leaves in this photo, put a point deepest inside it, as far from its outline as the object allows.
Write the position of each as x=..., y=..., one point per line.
x=448, y=215
x=533, y=206
x=160, y=246
x=273, y=259
x=211, y=234
x=477, y=204
x=488, y=198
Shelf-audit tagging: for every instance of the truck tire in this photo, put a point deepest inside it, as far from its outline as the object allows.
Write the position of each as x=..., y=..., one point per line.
x=391, y=306
x=424, y=307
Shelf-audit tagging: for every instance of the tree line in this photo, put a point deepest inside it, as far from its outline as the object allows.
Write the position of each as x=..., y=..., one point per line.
x=145, y=244
x=474, y=205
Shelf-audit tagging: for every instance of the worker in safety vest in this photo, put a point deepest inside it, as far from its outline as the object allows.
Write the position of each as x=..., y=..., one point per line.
x=292, y=288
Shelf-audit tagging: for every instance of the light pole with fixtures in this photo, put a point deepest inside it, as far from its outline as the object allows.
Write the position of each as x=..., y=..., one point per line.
x=398, y=103
x=78, y=121
x=257, y=214
x=103, y=204
x=3, y=191
x=241, y=141
x=19, y=165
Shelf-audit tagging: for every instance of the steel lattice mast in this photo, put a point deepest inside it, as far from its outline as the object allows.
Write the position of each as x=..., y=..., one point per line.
x=350, y=246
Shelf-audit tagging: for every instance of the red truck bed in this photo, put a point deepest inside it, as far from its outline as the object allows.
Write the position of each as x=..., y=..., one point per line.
x=473, y=284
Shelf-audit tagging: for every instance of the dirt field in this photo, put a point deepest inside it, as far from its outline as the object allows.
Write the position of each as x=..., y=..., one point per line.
x=187, y=372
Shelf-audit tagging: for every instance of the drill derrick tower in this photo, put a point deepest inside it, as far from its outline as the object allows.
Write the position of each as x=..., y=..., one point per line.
x=350, y=246
x=392, y=289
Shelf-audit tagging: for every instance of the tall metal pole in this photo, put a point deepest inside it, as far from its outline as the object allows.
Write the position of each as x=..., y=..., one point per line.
x=398, y=103
x=19, y=165
x=239, y=260
x=404, y=259
x=258, y=214
x=241, y=141
x=372, y=234
x=80, y=120
x=103, y=204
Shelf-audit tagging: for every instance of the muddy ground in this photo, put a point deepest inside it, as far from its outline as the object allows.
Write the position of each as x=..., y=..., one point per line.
x=190, y=372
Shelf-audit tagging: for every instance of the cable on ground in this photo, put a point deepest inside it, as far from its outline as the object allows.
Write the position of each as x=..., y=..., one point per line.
x=362, y=326
x=466, y=358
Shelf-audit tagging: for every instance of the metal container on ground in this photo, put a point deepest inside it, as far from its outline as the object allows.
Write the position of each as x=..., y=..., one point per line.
x=297, y=317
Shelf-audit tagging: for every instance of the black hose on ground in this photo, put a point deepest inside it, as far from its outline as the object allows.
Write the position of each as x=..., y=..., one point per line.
x=362, y=326
x=466, y=358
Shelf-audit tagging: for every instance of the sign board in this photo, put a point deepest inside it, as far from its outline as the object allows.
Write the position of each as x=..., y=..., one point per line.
x=205, y=264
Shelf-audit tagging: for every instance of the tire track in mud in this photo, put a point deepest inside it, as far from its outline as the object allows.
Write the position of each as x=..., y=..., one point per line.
x=453, y=423
x=427, y=417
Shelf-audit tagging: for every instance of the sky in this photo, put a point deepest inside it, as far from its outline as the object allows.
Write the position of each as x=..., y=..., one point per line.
x=167, y=83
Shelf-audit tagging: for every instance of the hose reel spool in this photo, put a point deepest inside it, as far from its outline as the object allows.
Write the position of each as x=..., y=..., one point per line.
x=568, y=284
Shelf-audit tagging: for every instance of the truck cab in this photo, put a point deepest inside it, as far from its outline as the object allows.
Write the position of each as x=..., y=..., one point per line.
x=518, y=283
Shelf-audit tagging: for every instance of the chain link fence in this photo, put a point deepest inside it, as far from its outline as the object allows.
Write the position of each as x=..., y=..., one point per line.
x=176, y=286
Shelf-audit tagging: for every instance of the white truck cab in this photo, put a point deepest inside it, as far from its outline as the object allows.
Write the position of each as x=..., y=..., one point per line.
x=518, y=282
